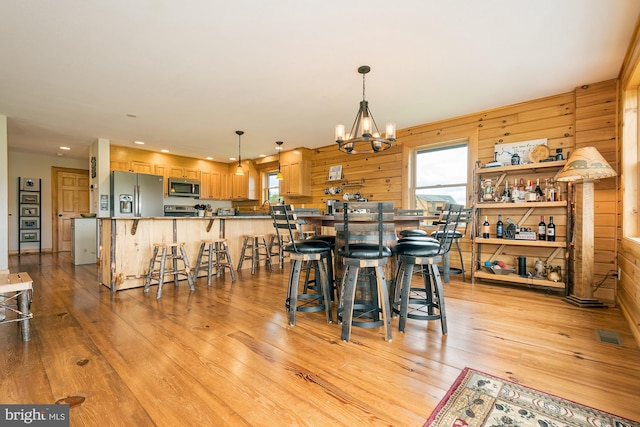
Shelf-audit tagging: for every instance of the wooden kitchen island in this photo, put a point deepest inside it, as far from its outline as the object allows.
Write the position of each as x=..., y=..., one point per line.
x=126, y=244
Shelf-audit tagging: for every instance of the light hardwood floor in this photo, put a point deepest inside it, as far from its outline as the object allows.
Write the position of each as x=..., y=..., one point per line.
x=225, y=355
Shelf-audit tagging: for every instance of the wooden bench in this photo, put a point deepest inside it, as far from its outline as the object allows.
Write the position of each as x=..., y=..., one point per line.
x=16, y=290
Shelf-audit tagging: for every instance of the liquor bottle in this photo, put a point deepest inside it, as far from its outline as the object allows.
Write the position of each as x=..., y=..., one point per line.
x=558, y=192
x=542, y=229
x=551, y=230
x=539, y=194
x=506, y=194
x=552, y=192
x=485, y=228
x=499, y=227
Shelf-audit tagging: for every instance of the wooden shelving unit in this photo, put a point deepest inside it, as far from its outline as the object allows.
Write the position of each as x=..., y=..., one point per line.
x=523, y=214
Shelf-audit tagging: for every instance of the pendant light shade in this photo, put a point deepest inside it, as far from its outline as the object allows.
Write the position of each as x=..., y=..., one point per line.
x=364, y=136
x=239, y=170
x=279, y=148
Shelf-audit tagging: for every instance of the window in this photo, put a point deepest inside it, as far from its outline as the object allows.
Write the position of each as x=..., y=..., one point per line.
x=630, y=159
x=273, y=187
x=440, y=177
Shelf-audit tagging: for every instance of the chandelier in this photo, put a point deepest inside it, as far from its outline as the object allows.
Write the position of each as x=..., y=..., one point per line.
x=364, y=136
x=239, y=170
x=279, y=148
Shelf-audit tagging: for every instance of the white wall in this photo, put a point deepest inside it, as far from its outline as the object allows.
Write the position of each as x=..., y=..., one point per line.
x=34, y=166
x=4, y=177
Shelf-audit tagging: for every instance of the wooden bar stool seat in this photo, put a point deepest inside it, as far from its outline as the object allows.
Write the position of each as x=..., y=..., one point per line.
x=214, y=257
x=258, y=249
x=172, y=252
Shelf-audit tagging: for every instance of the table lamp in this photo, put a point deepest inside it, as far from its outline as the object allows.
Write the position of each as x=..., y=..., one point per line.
x=585, y=166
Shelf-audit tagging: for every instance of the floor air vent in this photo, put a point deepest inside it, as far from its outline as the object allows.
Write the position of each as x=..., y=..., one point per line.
x=608, y=337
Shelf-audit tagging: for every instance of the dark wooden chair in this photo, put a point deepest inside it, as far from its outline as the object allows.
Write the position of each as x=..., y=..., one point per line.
x=364, y=233
x=313, y=254
x=426, y=303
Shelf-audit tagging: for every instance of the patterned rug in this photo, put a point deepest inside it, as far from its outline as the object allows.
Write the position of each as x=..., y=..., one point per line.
x=477, y=399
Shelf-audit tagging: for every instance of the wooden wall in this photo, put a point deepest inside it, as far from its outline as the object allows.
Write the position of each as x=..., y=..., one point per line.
x=585, y=116
x=628, y=293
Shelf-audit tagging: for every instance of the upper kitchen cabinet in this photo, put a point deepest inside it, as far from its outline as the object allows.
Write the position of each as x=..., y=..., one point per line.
x=212, y=183
x=131, y=166
x=295, y=166
x=244, y=187
x=180, y=172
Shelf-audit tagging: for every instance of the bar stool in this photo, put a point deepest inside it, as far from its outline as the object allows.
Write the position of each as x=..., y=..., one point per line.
x=363, y=226
x=331, y=241
x=280, y=241
x=459, y=233
x=172, y=252
x=422, y=303
x=313, y=255
x=214, y=254
x=16, y=292
x=259, y=251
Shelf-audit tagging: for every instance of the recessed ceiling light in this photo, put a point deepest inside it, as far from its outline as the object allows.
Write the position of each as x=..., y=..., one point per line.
x=133, y=116
x=164, y=151
x=209, y=158
x=138, y=142
x=232, y=158
x=263, y=155
x=59, y=154
x=65, y=148
x=279, y=148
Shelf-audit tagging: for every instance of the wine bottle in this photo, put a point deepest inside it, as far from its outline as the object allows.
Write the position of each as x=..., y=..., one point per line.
x=499, y=227
x=485, y=228
x=551, y=230
x=542, y=229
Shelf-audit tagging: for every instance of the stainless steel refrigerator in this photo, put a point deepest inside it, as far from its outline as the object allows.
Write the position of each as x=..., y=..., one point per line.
x=136, y=194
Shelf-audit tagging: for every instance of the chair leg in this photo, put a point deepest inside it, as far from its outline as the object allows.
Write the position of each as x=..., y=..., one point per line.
x=440, y=295
x=152, y=263
x=229, y=262
x=242, y=252
x=163, y=259
x=292, y=297
x=325, y=284
x=347, y=300
x=407, y=271
x=461, y=260
x=198, y=261
x=187, y=269
x=383, y=301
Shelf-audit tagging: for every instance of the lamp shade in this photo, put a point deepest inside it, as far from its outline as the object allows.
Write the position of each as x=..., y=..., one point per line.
x=585, y=164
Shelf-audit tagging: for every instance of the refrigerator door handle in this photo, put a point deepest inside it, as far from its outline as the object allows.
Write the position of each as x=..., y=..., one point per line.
x=137, y=210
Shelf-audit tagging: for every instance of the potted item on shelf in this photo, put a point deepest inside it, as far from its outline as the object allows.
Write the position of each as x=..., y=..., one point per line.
x=200, y=209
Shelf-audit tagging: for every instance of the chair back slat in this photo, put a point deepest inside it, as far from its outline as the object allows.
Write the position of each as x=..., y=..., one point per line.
x=365, y=222
x=285, y=222
x=448, y=225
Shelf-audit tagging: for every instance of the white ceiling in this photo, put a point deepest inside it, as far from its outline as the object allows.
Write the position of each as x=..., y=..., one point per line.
x=194, y=71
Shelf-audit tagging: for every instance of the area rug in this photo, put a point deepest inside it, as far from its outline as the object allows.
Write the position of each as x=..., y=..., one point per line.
x=477, y=399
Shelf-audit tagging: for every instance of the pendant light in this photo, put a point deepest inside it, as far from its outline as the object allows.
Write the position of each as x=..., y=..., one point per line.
x=239, y=170
x=279, y=148
x=364, y=136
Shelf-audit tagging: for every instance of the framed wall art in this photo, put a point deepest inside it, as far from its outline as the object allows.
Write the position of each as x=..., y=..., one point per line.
x=26, y=198
x=30, y=184
x=29, y=223
x=30, y=211
x=30, y=236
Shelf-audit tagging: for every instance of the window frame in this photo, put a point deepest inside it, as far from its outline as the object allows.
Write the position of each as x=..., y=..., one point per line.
x=451, y=144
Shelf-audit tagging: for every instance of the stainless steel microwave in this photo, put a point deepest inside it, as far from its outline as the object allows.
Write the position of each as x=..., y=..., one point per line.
x=184, y=187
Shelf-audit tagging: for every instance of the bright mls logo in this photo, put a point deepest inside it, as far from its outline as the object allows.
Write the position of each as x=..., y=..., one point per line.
x=37, y=415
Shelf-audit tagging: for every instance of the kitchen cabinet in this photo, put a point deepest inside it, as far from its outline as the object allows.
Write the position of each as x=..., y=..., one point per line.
x=243, y=187
x=169, y=171
x=526, y=216
x=131, y=166
x=295, y=166
x=211, y=184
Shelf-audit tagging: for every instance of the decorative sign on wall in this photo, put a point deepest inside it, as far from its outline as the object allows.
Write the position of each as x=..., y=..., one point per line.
x=505, y=152
x=335, y=173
